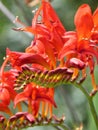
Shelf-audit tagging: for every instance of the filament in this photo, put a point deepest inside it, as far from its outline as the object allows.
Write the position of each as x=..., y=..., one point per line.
x=93, y=82
x=3, y=66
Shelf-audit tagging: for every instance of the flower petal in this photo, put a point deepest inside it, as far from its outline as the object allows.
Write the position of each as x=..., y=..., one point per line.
x=4, y=108
x=18, y=59
x=4, y=96
x=46, y=98
x=83, y=21
x=95, y=18
x=24, y=95
x=36, y=47
x=35, y=107
x=29, y=58
x=49, y=50
x=19, y=98
x=68, y=48
x=76, y=63
x=49, y=15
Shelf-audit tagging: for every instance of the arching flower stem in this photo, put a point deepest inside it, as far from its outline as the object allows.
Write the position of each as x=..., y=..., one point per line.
x=61, y=126
x=90, y=102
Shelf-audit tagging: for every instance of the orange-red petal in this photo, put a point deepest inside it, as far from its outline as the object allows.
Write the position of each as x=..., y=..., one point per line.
x=4, y=96
x=29, y=58
x=83, y=21
x=95, y=19
x=4, y=108
x=18, y=59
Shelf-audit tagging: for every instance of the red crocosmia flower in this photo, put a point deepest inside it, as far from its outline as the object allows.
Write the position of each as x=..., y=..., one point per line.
x=51, y=44
x=87, y=23
x=48, y=28
x=87, y=35
x=82, y=44
x=7, y=92
x=4, y=99
x=48, y=39
x=48, y=31
x=47, y=43
x=35, y=96
x=18, y=59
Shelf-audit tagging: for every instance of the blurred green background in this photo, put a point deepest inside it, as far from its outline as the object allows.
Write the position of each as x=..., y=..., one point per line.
x=71, y=102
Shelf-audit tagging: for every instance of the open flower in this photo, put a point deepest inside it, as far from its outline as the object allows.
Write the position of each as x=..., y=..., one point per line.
x=41, y=54
x=7, y=92
x=82, y=44
x=35, y=96
x=17, y=59
x=48, y=31
x=52, y=52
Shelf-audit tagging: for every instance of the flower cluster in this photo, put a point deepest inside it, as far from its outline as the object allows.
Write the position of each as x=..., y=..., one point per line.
x=55, y=56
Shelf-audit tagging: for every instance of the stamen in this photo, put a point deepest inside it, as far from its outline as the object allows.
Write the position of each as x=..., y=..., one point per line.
x=34, y=11
x=84, y=73
x=19, y=21
x=93, y=81
x=83, y=76
x=47, y=109
x=19, y=107
x=9, y=112
x=43, y=109
x=29, y=107
x=36, y=17
x=62, y=63
x=3, y=66
x=50, y=110
x=75, y=74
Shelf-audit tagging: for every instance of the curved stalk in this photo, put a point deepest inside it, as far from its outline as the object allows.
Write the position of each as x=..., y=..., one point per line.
x=90, y=101
x=59, y=126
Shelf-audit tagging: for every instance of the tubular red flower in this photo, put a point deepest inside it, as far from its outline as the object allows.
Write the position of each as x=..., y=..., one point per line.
x=50, y=55
x=35, y=95
x=7, y=92
x=48, y=27
x=18, y=59
x=82, y=44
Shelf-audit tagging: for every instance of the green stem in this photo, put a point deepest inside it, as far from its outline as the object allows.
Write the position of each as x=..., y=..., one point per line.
x=93, y=112
x=64, y=127
x=59, y=126
x=90, y=101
